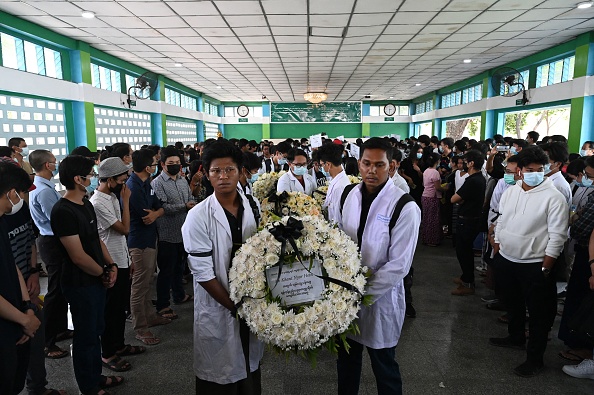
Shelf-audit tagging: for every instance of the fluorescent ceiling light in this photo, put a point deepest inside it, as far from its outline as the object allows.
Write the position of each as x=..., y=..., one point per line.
x=584, y=5
x=179, y=65
x=219, y=87
x=88, y=14
x=467, y=60
x=391, y=97
x=417, y=84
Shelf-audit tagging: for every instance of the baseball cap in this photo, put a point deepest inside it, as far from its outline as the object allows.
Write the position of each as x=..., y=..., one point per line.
x=112, y=167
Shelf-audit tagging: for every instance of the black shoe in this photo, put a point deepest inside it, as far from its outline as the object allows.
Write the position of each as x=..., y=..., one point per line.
x=506, y=342
x=498, y=306
x=528, y=369
x=410, y=311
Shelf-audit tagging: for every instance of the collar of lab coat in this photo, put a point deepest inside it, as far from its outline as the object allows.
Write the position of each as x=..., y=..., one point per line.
x=219, y=213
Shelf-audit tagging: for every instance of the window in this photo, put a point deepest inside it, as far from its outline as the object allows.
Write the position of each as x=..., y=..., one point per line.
x=104, y=78
x=211, y=109
x=463, y=96
x=378, y=111
x=231, y=112
x=115, y=126
x=181, y=131
x=131, y=81
x=179, y=99
x=514, y=89
x=27, y=56
x=210, y=130
x=555, y=72
x=425, y=106
x=39, y=122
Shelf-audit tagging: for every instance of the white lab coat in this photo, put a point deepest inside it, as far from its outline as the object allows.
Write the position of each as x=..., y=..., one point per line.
x=335, y=189
x=218, y=356
x=400, y=182
x=389, y=257
x=289, y=183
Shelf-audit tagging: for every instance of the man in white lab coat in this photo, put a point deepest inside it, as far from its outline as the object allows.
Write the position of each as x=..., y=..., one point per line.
x=366, y=215
x=330, y=157
x=297, y=179
x=226, y=355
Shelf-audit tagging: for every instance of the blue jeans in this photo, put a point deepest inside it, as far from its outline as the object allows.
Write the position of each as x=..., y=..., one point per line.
x=170, y=259
x=384, y=365
x=87, y=305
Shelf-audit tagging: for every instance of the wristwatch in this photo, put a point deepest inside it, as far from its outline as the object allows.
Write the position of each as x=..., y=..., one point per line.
x=28, y=305
x=546, y=271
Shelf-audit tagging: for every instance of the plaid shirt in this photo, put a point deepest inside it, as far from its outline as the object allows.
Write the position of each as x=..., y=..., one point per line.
x=582, y=228
x=173, y=194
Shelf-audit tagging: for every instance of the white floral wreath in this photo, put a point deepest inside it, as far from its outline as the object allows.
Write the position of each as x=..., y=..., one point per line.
x=265, y=184
x=313, y=325
x=295, y=203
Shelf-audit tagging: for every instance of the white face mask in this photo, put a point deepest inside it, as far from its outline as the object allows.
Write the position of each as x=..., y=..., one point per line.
x=15, y=207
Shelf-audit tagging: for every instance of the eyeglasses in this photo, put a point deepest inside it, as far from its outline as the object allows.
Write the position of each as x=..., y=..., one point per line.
x=229, y=171
x=93, y=174
x=153, y=165
x=299, y=164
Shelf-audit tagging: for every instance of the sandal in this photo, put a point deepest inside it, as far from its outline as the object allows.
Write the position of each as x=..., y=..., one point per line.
x=54, y=352
x=67, y=334
x=186, y=298
x=168, y=313
x=569, y=356
x=130, y=350
x=110, y=381
x=159, y=321
x=117, y=364
x=148, y=338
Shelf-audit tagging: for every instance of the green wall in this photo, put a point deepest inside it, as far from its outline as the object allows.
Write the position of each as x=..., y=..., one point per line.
x=298, y=130
x=386, y=129
x=250, y=131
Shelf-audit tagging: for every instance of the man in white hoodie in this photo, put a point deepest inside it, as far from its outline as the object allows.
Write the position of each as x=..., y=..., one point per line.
x=529, y=237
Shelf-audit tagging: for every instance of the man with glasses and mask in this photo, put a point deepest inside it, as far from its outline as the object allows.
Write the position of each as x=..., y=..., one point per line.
x=113, y=223
x=226, y=354
x=529, y=236
x=298, y=178
x=145, y=208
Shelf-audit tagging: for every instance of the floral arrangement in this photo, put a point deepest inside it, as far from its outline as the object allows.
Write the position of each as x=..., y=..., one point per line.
x=354, y=180
x=266, y=184
x=320, y=194
x=309, y=326
x=288, y=203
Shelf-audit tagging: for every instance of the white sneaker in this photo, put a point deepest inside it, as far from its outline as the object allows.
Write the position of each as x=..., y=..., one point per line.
x=585, y=370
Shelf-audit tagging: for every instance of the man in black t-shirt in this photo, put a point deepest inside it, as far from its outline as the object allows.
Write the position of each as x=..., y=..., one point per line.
x=87, y=270
x=471, y=197
x=17, y=314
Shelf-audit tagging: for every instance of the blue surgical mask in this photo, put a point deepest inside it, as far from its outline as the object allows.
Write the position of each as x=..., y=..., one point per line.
x=419, y=155
x=509, y=179
x=300, y=170
x=56, y=170
x=534, y=179
x=154, y=173
x=440, y=149
x=254, y=178
x=586, y=182
x=513, y=150
x=583, y=152
x=324, y=172
x=282, y=161
x=547, y=168
x=93, y=185
x=25, y=152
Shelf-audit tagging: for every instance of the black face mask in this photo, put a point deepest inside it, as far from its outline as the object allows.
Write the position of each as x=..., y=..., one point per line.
x=117, y=189
x=173, y=169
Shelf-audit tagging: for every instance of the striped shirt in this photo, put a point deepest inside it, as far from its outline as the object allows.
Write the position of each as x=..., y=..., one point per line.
x=22, y=238
x=173, y=194
x=107, y=209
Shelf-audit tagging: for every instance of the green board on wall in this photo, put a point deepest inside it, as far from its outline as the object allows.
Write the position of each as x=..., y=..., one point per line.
x=323, y=112
x=386, y=129
x=251, y=131
x=299, y=130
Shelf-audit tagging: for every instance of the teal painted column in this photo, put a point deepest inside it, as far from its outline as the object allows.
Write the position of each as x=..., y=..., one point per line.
x=200, y=104
x=581, y=117
x=221, y=111
x=411, y=129
x=437, y=129
x=83, y=113
x=488, y=124
x=366, y=110
x=157, y=128
x=200, y=131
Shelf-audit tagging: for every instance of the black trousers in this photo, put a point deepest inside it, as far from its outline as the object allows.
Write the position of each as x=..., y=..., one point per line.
x=13, y=368
x=55, y=307
x=112, y=339
x=523, y=285
x=467, y=229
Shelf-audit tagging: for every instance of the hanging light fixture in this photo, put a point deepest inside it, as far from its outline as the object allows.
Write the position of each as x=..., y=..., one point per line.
x=315, y=97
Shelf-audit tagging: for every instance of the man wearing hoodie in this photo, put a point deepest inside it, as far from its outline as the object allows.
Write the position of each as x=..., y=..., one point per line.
x=529, y=237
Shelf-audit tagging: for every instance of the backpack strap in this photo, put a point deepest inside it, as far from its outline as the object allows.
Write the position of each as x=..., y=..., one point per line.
x=406, y=198
x=344, y=195
x=254, y=207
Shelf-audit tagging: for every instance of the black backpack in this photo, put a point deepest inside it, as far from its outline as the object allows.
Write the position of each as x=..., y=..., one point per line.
x=406, y=198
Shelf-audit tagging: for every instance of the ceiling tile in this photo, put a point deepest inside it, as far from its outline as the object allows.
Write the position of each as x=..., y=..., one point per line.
x=243, y=7
x=331, y=7
x=246, y=20
x=413, y=18
x=164, y=21
x=469, y=5
x=191, y=8
x=455, y=17
x=426, y=5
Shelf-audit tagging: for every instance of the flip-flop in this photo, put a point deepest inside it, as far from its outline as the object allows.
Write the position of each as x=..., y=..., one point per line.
x=59, y=353
x=114, y=381
x=117, y=364
x=130, y=350
x=159, y=321
x=186, y=298
x=569, y=356
x=150, y=340
x=168, y=313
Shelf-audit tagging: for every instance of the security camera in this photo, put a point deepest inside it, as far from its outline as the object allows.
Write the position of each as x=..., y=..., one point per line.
x=264, y=97
x=367, y=96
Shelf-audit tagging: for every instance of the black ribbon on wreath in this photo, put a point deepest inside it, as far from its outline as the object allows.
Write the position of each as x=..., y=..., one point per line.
x=320, y=192
x=278, y=200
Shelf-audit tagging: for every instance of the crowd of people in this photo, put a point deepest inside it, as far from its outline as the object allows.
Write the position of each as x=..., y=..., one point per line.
x=523, y=206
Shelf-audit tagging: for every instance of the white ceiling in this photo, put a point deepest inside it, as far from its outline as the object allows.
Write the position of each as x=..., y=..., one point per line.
x=252, y=48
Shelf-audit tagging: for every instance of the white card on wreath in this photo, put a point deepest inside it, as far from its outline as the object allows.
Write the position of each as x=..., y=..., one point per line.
x=296, y=284
x=355, y=151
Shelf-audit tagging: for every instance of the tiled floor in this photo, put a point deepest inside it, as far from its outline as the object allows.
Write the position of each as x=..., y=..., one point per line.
x=443, y=351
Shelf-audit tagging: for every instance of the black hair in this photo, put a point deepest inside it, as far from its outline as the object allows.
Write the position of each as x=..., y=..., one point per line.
x=432, y=159
x=84, y=151
x=396, y=155
x=351, y=167
x=221, y=149
x=590, y=161
x=15, y=141
x=460, y=146
x=424, y=139
x=253, y=143
x=575, y=167
x=532, y=154
x=434, y=140
x=72, y=166
x=118, y=150
x=498, y=169
x=283, y=147
x=590, y=143
x=169, y=152
x=378, y=143
x=520, y=143
x=251, y=161
x=38, y=158
x=534, y=136
x=13, y=176
x=330, y=153
x=155, y=148
x=179, y=145
x=6, y=152
x=303, y=140
x=448, y=141
x=243, y=143
x=295, y=152
x=141, y=159
x=475, y=156
x=194, y=167
x=558, y=137
x=512, y=159
x=557, y=151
